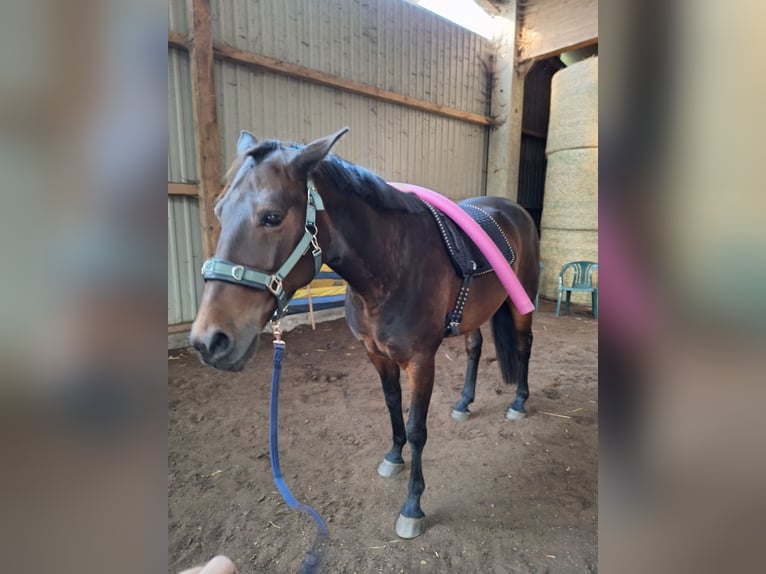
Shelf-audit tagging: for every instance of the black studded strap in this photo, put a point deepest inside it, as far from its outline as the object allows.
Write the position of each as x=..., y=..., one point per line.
x=456, y=316
x=465, y=256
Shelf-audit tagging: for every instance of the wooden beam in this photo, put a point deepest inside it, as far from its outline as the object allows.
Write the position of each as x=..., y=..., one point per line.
x=207, y=143
x=179, y=328
x=232, y=54
x=238, y=56
x=178, y=40
x=557, y=51
x=550, y=27
x=191, y=189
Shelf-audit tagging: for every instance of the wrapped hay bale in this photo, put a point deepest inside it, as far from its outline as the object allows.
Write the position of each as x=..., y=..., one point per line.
x=569, y=225
x=574, y=107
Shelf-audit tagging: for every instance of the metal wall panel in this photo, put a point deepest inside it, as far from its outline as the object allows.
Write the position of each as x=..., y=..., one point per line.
x=177, y=21
x=389, y=44
x=400, y=144
x=182, y=167
x=184, y=259
x=184, y=229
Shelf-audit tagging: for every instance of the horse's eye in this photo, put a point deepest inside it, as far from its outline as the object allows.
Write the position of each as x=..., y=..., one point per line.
x=271, y=219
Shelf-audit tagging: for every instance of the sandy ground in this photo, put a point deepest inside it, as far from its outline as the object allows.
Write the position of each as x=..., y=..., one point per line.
x=501, y=497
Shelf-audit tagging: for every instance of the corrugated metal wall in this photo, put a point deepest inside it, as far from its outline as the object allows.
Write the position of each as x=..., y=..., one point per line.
x=182, y=165
x=388, y=44
x=184, y=259
x=398, y=143
x=184, y=233
x=177, y=21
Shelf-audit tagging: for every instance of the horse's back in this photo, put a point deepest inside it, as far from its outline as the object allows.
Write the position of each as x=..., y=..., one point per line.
x=520, y=229
x=516, y=214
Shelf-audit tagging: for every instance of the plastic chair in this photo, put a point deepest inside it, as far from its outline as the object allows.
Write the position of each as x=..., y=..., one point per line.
x=582, y=282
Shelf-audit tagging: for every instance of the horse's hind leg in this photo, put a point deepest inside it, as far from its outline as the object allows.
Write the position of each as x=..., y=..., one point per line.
x=523, y=331
x=473, y=341
x=389, y=377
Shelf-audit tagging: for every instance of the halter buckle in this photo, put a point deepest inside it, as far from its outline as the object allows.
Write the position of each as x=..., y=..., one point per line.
x=275, y=286
x=238, y=272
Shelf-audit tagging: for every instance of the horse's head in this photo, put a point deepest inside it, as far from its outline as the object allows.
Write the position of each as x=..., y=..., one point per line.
x=267, y=248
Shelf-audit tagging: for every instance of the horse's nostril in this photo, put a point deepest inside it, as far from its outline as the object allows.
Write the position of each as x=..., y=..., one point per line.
x=219, y=344
x=197, y=344
x=214, y=346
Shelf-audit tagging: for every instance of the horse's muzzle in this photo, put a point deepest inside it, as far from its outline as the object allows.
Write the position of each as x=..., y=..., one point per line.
x=215, y=348
x=218, y=350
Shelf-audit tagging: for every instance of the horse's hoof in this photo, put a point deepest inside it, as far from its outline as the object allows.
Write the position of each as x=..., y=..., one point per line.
x=409, y=528
x=460, y=415
x=387, y=469
x=514, y=415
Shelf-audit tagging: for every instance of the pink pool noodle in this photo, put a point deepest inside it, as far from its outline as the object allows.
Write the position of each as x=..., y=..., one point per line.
x=480, y=238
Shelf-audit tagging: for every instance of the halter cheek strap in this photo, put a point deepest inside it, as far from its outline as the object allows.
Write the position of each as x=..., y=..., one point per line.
x=217, y=269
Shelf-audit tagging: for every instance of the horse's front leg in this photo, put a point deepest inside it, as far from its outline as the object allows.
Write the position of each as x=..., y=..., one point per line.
x=389, y=378
x=420, y=370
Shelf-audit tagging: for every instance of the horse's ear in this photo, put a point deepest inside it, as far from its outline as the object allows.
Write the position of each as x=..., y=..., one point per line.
x=310, y=156
x=245, y=142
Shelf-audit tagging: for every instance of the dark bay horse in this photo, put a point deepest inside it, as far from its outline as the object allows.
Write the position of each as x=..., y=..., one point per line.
x=287, y=208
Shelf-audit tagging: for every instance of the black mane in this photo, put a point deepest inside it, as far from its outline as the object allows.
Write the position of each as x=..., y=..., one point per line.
x=348, y=177
x=368, y=186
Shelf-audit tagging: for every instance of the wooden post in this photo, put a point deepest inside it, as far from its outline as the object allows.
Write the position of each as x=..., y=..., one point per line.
x=507, y=99
x=207, y=143
x=311, y=307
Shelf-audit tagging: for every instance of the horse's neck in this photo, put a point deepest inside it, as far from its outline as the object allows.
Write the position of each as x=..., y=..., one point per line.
x=368, y=247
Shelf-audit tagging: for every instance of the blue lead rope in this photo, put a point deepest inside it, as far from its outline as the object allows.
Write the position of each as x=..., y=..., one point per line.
x=313, y=561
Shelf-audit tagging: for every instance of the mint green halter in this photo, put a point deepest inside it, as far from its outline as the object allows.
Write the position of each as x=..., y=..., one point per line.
x=217, y=269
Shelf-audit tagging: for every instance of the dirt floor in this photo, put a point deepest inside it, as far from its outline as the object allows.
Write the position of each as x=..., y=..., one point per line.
x=501, y=497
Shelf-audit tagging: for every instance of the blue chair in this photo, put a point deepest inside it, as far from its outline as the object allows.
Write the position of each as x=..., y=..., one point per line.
x=582, y=282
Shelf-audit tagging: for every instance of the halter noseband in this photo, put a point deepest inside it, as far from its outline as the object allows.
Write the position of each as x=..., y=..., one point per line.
x=218, y=269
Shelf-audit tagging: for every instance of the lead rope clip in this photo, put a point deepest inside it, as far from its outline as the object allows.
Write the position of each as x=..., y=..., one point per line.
x=277, y=332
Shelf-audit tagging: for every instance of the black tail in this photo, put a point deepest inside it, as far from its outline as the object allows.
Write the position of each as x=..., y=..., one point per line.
x=504, y=333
